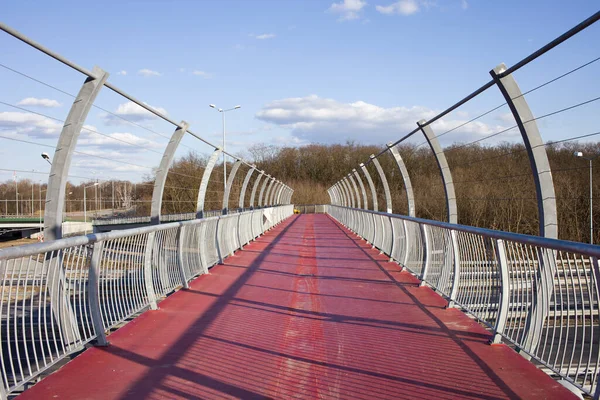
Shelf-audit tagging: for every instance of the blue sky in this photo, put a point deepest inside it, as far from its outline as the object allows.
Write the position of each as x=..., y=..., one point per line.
x=303, y=71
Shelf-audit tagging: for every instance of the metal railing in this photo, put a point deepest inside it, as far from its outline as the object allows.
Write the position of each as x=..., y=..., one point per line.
x=539, y=295
x=61, y=295
x=164, y=217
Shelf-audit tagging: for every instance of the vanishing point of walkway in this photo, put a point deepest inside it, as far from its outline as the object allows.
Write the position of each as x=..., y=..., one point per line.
x=306, y=311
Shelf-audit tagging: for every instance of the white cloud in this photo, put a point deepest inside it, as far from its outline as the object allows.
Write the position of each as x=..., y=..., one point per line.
x=117, y=140
x=402, y=7
x=203, y=74
x=464, y=4
x=23, y=123
x=348, y=9
x=265, y=36
x=506, y=118
x=32, y=101
x=106, y=167
x=122, y=72
x=148, y=72
x=132, y=112
x=316, y=119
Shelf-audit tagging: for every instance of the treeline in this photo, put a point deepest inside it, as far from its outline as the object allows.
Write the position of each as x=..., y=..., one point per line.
x=494, y=185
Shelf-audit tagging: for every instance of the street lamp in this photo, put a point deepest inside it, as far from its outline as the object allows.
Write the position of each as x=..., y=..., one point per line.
x=85, y=204
x=224, y=162
x=46, y=157
x=590, y=159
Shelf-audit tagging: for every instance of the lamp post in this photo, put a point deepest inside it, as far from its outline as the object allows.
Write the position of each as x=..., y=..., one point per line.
x=224, y=162
x=590, y=159
x=85, y=204
x=41, y=222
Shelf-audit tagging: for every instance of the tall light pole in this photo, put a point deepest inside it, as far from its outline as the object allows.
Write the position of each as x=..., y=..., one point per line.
x=41, y=222
x=224, y=162
x=85, y=204
x=590, y=159
x=16, y=193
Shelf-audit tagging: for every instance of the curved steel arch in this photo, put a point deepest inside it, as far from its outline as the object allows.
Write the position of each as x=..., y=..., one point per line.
x=275, y=189
x=410, y=197
x=349, y=199
x=336, y=195
x=351, y=179
x=61, y=161
x=365, y=171
x=245, y=186
x=255, y=187
x=280, y=193
x=204, y=182
x=262, y=190
x=442, y=163
x=350, y=191
x=163, y=171
x=341, y=194
x=230, y=179
x=386, y=187
x=266, y=201
x=362, y=189
x=536, y=151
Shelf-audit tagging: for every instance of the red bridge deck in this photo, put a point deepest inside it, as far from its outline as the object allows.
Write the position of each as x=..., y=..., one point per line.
x=307, y=311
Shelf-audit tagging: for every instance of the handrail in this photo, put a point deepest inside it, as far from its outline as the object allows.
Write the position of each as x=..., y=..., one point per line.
x=564, y=245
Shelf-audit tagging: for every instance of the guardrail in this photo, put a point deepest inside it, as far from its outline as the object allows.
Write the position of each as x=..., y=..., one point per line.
x=61, y=295
x=163, y=218
x=539, y=295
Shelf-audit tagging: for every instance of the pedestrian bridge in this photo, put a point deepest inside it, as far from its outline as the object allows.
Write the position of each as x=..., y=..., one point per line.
x=243, y=306
x=250, y=300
